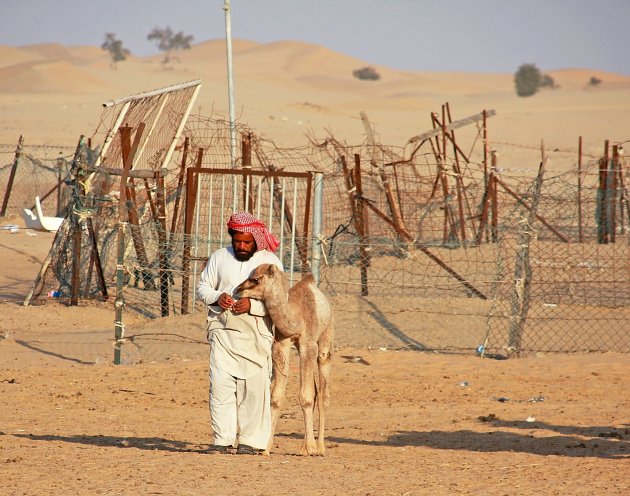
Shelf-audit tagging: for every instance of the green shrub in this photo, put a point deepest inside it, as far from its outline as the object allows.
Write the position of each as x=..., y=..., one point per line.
x=527, y=80
x=547, y=81
x=366, y=74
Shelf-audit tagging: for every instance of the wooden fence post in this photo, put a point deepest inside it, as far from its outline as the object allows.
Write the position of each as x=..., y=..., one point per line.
x=494, y=230
x=602, y=218
x=180, y=182
x=623, y=200
x=16, y=160
x=579, y=190
x=522, y=268
x=611, y=185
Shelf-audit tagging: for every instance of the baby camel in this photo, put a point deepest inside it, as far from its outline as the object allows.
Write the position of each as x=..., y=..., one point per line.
x=301, y=315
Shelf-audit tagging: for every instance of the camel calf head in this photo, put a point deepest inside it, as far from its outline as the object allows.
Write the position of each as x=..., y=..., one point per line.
x=265, y=279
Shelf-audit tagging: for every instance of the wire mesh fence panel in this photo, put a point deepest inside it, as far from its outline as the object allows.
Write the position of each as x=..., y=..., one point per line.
x=579, y=293
x=419, y=243
x=27, y=171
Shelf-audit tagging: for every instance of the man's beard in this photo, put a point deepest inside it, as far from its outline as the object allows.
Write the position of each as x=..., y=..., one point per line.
x=243, y=256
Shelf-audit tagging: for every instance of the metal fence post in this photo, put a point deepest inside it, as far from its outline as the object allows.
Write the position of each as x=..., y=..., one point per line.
x=119, y=303
x=318, y=189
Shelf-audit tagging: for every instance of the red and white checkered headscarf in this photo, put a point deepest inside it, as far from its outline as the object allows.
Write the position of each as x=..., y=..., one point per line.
x=246, y=223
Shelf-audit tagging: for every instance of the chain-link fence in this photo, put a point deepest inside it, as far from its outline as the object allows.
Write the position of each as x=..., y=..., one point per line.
x=421, y=246
x=563, y=277
x=27, y=171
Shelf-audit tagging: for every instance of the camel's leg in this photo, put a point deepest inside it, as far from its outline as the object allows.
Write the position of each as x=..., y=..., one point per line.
x=308, y=364
x=324, y=363
x=280, y=356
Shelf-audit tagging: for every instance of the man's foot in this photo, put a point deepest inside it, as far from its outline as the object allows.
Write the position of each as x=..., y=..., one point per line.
x=222, y=450
x=244, y=449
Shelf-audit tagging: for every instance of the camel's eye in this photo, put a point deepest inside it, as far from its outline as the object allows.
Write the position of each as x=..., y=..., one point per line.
x=254, y=280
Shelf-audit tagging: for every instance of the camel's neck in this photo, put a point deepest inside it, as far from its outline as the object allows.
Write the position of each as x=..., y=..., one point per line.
x=284, y=314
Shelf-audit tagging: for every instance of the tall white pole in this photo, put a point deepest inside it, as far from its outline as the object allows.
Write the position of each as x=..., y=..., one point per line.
x=228, y=44
x=318, y=202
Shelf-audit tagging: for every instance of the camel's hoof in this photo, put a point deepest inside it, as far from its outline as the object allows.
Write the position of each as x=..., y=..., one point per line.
x=321, y=448
x=310, y=451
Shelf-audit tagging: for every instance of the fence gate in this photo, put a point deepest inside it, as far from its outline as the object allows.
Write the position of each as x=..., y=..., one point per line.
x=282, y=200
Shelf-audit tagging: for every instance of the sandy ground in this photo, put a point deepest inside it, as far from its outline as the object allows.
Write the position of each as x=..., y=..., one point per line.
x=400, y=422
x=404, y=423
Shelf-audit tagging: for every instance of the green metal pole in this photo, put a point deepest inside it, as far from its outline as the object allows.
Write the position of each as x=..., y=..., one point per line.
x=119, y=304
x=119, y=329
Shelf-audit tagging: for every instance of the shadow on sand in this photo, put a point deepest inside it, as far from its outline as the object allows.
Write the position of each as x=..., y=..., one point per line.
x=596, y=442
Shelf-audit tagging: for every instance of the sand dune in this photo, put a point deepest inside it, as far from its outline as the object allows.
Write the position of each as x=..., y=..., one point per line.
x=48, y=77
x=76, y=55
x=580, y=78
x=10, y=56
x=285, y=88
x=213, y=50
x=303, y=58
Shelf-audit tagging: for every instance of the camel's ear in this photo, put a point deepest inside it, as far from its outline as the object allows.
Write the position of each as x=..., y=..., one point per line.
x=272, y=270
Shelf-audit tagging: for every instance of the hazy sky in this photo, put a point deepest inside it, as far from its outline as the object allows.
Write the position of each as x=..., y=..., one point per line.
x=417, y=35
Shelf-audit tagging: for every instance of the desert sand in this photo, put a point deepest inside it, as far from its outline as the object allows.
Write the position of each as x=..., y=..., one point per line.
x=401, y=422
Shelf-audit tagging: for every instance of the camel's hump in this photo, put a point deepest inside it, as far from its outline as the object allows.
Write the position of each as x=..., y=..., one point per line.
x=306, y=283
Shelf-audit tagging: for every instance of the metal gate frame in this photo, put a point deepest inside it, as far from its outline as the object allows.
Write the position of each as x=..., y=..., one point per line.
x=245, y=196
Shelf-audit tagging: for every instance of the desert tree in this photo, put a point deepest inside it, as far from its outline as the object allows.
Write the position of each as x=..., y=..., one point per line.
x=594, y=81
x=527, y=80
x=117, y=52
x=169, y=42
x=366, y=74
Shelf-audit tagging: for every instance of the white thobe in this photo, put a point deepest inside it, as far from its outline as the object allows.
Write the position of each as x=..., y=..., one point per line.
x=240, y=353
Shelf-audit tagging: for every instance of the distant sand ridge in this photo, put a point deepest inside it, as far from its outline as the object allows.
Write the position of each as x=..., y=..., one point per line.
x=52, y=94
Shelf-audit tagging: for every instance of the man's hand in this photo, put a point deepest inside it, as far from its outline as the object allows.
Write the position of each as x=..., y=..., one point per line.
x=225, y=301
x=241, y=306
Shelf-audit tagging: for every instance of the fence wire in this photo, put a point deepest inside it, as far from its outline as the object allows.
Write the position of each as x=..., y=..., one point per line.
x=34, y=171
x=579, y=292
x=423, y=256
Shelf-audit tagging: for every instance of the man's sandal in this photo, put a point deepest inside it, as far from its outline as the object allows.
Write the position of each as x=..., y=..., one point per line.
x=244, y=449
x=222, y=450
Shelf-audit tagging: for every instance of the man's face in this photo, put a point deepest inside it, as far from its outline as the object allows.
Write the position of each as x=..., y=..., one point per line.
x=243, y=245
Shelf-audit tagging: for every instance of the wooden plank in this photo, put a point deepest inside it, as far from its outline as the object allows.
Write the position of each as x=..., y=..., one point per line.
x=453, y=125
x=16, y=160
x=137, y=174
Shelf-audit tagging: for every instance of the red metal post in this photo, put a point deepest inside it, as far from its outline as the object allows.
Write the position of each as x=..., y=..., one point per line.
x=602, y=228
x=579, y=191
x=7, y=191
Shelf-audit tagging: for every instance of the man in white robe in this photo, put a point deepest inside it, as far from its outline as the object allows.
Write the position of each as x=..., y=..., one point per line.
x=240, y=335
